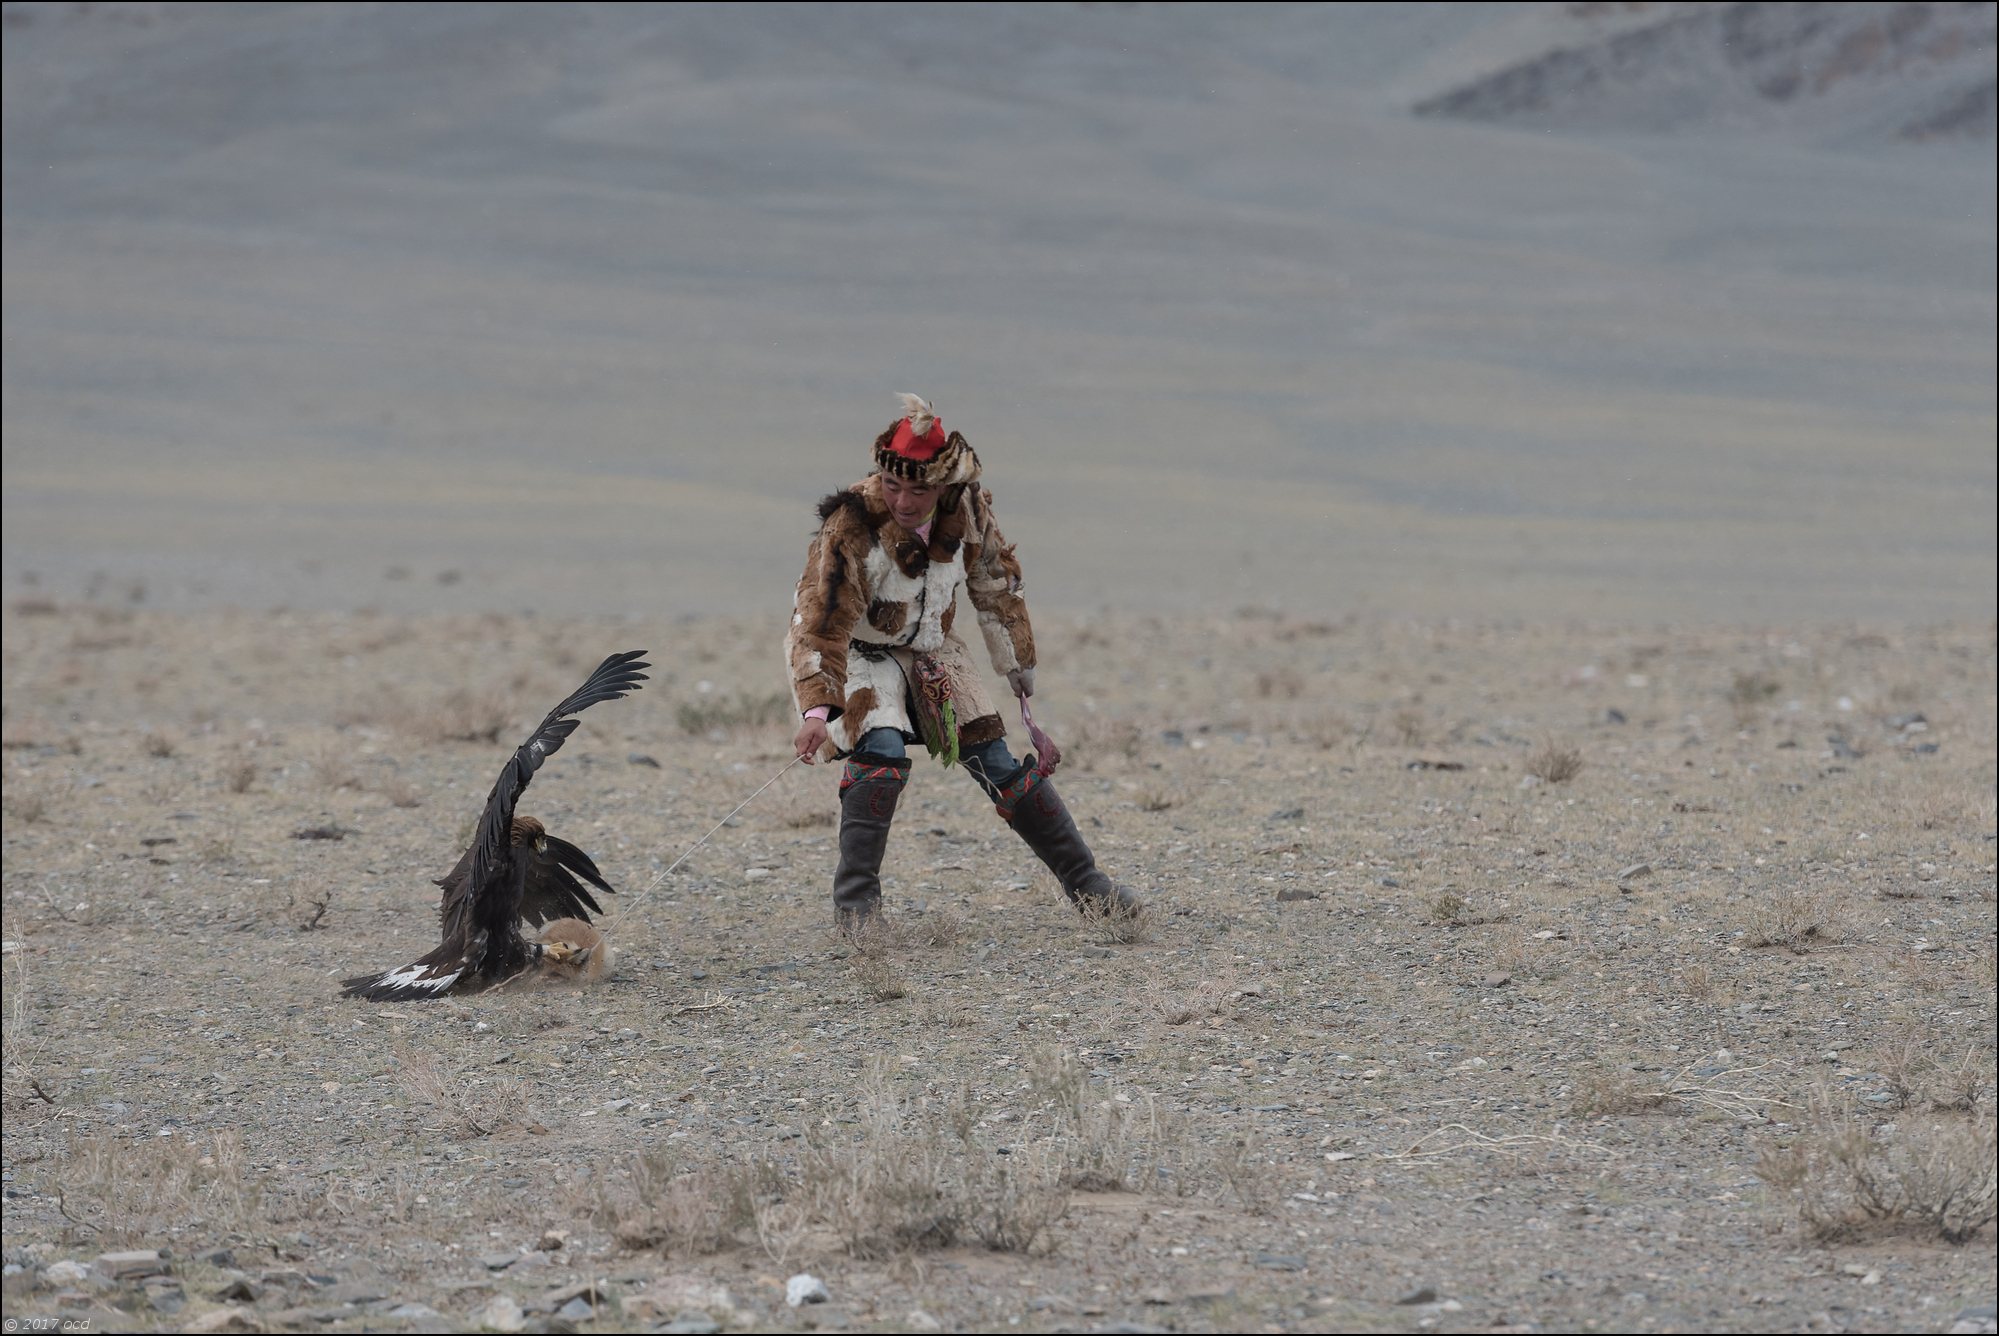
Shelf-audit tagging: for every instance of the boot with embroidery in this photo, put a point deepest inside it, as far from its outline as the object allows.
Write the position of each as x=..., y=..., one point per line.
x=868, y=793
x=1028, y=802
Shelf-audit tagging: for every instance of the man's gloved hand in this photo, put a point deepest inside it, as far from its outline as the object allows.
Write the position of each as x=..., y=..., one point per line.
x=1022, y=681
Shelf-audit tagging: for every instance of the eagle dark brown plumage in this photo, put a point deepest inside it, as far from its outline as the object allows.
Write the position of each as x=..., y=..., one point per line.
x=514, y=873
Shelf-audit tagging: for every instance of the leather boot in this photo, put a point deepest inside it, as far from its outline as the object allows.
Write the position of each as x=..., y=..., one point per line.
x=868, y=793
x=1028, y=802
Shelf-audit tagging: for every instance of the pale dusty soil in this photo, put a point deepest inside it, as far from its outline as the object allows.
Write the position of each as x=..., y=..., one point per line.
x=1389, y=1087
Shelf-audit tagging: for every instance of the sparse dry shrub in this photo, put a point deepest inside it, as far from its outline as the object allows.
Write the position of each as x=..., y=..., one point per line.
x=1111, y=1139
x=165, y=787
x=710, y=714
x=1449, y=906
x=331, y=761
x=1155, y=799
x=1843, y=1174
x=1555, y=763
x=681, y=1211
x=876, y=971
x=1011, y=1201
x=1279, y=684
x=239, y=770
x=128, y=1191
x=1408, y=727
x=911, y=1177
x=465, y=1107
x=1917, y=1072
x=1108, y=923
x=399, y=791
x=1697, y=980
x=461, y=715
x=1797, y=918
x=937, y=927
x=1749, y=692
x=1246, y=1171
x=1327, y=730
x=28, y=800
x=159, y=744
x=1098, y=739
x=1215, y=995
x=1610, y=1093
x=881, y=1187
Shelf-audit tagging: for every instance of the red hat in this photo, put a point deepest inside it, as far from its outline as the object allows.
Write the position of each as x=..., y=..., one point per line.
x=915, y=447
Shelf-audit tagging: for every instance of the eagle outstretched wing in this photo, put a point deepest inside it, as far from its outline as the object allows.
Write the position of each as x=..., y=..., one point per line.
x=514, y=870
x=615, y=677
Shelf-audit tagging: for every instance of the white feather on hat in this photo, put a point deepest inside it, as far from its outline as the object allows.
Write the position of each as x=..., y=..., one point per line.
x=919, y=412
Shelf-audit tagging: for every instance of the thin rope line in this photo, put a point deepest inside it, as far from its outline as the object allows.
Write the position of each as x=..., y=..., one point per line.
x=640, y=897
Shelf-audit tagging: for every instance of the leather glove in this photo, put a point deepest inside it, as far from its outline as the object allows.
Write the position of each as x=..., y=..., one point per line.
x=1022, y=681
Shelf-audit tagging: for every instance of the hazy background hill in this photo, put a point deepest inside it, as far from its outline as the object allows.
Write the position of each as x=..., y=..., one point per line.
x=1511, y=310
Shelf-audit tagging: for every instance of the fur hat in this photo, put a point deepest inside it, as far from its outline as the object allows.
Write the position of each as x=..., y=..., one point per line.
x=915, y=448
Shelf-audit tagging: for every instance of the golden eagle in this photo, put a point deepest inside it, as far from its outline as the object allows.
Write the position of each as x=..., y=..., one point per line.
x=514, y=873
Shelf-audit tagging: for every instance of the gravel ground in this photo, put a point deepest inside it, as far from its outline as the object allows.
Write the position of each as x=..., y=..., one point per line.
x=1485, y=968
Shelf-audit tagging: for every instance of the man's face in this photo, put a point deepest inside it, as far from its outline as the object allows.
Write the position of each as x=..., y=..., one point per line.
x=909, y=503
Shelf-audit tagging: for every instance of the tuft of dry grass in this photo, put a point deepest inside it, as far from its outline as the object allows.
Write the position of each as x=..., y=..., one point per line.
x=1797, y=918
x=461, y=715
x=1098, y=739
x=655, y=1202
x=1107, y=923
x=399, y=791
x=1555, y=763
x=239, y=770
x=875, y=969
x=467, y=1107
x=159, y=744
x=1844, y=1175
x=709, y=714
x=1408, y=726
x=1918, y=1074
x=129, y=1191
x=27, y=802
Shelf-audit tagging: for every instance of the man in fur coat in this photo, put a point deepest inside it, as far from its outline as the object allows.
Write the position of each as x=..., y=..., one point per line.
x=877, y=662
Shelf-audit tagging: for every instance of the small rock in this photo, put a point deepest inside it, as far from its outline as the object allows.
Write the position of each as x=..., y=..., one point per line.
x=1279, y=1262
x=413, y=1312
x=221, y=1320
x=501, y=1314
x=166, y=1297
x=755, y=873
x=499, y=1261
x=1288, y=814
x=805, y=1289
x=682, y=1296
x=1291, y=893
x=132, y=1265
x=552, y=1240
x=64, y=1274
x=578, y=1309
x=922, y=1321
x=1613, y=715
x=640, y=758
x=692, y=1323
x=1982, y=1320
x=1425, y=1295
x=1635, y=871
x=1498, y=980
x=240, y=1289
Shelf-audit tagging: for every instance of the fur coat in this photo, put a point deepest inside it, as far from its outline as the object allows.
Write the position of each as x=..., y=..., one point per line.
x=872, y=597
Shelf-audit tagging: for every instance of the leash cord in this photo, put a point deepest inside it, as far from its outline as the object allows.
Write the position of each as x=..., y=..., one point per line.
x=636, y=900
